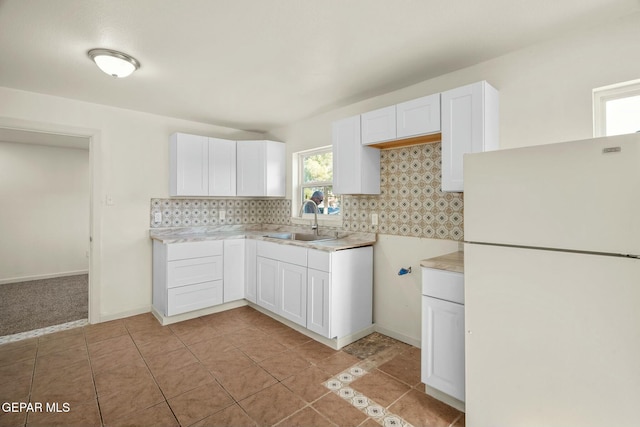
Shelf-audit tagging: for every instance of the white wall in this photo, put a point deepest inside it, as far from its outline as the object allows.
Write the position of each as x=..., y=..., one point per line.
x=44, y=220
x=129, y=162
x=545, y=96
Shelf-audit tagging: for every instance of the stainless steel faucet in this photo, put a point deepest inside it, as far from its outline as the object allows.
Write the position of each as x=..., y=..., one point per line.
x=314, y=225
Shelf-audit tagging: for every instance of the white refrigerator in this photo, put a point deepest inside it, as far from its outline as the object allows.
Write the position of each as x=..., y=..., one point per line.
x=552, y=284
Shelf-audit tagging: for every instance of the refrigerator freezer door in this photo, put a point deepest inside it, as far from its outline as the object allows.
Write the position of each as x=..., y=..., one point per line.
x=579, y=195
x=552, y=338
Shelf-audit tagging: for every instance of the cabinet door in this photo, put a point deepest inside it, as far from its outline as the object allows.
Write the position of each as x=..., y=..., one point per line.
x=418, y=117
x=251, y=168
x=318, y=298
x=250, y=270
x=356, y=168
x=188, y=165
x=469, y=125
x=276, y=169
x=233, y=269
x=292, y=287
x=379, y=125
x=267, y=283
x=443, y=346
x=461, y=124
x=222, y=167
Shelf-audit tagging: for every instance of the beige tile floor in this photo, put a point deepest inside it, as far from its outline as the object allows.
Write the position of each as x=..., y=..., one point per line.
x=236, y=368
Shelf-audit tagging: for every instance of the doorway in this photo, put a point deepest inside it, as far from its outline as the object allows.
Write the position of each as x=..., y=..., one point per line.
x=46, y=188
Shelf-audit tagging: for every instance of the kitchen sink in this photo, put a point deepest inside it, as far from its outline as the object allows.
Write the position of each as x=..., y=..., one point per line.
x=301, y=237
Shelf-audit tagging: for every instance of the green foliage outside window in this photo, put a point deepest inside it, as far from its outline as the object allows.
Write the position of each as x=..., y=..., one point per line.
x=318, y=167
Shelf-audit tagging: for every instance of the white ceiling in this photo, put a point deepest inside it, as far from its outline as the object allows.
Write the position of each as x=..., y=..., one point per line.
x=261, y=64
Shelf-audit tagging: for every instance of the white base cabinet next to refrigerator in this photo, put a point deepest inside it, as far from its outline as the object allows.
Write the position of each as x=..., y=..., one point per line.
x=442, y=364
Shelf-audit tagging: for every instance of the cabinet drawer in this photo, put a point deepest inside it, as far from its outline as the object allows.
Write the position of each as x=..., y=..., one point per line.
x=442, y=284
x=195, y=270
x=194, y=249
x=291, y=254
x=194, y=297
x=319, y=260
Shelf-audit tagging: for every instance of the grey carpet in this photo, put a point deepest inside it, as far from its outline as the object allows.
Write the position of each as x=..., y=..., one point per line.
x=36, y=304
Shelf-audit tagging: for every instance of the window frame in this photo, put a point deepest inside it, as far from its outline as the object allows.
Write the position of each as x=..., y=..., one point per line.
x=299, y=185
x=604, y=94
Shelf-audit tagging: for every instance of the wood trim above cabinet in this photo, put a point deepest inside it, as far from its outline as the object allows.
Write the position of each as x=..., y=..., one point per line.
x=416, y=140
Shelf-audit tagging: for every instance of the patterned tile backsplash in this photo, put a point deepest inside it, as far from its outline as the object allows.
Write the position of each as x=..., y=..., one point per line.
x=199, y=212
x=410, y=203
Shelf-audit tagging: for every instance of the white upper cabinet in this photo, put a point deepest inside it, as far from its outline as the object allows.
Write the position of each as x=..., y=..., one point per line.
x=356, y=168
x=379, y=125
x=469, y=125
x=418, y=117
x=201, y=166
x=188, y=165
x=222, y=167
x=260, y=168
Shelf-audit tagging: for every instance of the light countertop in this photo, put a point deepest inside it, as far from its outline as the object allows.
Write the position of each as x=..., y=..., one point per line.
x=449, y=262
x=344, y=240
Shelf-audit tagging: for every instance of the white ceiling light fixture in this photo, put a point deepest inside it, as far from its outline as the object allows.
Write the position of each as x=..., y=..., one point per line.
x=114, y=63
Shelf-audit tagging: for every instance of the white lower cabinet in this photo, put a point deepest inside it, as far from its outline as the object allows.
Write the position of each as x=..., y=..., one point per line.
x=329, y=293
x=443, y=346
x=234, y=271
x=187, y=276
x=282, y=280
x=443, y=331
x=250, y=276
x=318, y=288
x=339, y=291
x=292, y=287
x=193, y=297
x=267, y=283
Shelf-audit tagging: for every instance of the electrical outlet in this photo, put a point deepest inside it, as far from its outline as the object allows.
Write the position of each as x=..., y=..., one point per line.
x=222, y=215
x=374, y=219
x=157, y=217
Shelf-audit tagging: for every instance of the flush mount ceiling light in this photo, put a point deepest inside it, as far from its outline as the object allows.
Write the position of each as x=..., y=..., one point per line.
x=114, y=63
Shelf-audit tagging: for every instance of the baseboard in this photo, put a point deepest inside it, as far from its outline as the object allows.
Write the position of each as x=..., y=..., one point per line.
x=123, y=314
x=398, y=336
x=443, y=397
x=335, y=344
x=168, y=320
x=42, y=276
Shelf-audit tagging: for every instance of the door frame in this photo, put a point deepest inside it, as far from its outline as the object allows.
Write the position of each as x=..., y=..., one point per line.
x=95, y=190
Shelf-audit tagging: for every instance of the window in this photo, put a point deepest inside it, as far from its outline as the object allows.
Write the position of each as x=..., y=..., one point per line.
x=315, y=174
x=616, y=109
